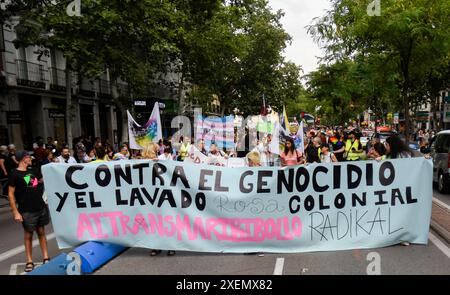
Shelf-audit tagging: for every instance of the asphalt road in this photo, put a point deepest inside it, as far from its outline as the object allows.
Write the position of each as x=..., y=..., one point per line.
x=415, y=259
x=11, y=244
x=396, y=260
x=441, y=197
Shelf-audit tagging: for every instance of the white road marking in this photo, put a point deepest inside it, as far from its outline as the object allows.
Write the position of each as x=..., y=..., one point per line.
x=13, y=269
x=279, y=267
x=442, y=204
x=439, y=244
x=13, y=252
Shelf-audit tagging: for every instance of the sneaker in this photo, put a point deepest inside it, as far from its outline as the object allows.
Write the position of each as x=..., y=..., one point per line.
x=405, y=243
x=155, y=252
x=260, y=254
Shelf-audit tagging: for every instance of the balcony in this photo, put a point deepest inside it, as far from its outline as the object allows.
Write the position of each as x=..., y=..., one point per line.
x=123, y=89
x=30, y=74
x=57, y=79
x=104, y=89
x=88, y=88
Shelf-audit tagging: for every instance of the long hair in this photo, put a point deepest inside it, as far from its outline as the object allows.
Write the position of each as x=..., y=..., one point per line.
x=292, y=149
x=150, y=151
x=397, y=147
x=379, y=148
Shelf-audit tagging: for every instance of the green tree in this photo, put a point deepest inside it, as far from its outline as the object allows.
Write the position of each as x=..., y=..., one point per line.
x=237, y=55
x=412, y=34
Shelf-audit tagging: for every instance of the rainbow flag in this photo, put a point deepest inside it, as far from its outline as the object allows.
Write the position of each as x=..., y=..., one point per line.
x=141, y=136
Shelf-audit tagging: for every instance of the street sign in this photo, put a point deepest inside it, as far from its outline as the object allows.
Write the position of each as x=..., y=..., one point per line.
x=140, y=103
x=56, y=113
x=396, y=118
x=422, y=116
x=14, y=117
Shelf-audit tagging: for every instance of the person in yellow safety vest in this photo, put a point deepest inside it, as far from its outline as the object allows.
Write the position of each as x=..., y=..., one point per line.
x=184, y=148
x=353, y=148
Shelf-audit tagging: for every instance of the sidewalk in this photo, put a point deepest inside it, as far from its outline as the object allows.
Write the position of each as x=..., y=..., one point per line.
x=440, y=221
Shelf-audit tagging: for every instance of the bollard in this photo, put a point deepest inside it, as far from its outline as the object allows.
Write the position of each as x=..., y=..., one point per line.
x=56, y=266
x=96, y=254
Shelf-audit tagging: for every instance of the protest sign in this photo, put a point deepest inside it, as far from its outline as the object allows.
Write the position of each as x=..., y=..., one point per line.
x=141, y=136
x=195, y=156
x=203, y=208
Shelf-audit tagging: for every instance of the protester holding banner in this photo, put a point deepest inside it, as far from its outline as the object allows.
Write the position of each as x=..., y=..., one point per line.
x=253, y=159
x=326, y=156
x=290, y=156
x=26, y=190
x=397, y=149
x=100, y=154
x=123, y=154
x=167, y=155
x=201, y=147
x=65, y=156
x=377, y=152
x=150, y=151
x=215, y=152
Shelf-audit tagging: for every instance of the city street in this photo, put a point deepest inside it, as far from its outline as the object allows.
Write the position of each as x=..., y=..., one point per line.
x=257, y=137
x=431, y=259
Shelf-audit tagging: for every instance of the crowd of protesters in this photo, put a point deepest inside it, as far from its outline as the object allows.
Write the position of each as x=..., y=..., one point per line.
x=325, y=145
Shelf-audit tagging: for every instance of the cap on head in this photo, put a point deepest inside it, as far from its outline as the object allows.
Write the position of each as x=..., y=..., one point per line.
x=21, y=155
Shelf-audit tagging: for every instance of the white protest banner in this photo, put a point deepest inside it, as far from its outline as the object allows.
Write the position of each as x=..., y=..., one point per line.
x=195, y=156
x=194, y=207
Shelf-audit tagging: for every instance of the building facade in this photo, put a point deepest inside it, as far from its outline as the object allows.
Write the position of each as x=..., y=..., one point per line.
x=33, y=98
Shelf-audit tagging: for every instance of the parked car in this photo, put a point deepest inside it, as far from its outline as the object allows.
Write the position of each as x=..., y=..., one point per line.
x=439, y=151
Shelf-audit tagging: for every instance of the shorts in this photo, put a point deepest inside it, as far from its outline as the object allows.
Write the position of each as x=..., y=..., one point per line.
x=33, y=220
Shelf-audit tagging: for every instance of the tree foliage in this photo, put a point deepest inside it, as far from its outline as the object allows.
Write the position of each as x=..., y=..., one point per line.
x=410, y=39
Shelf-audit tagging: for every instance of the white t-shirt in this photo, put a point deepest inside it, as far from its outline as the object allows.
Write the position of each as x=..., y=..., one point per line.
x=326, y=158
x=71, y=160
x=163, y=157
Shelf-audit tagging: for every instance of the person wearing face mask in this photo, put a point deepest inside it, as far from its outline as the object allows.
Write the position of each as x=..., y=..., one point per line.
x=65, y=157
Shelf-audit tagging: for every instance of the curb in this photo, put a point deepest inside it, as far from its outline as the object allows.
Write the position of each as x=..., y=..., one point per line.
x=441, y=231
